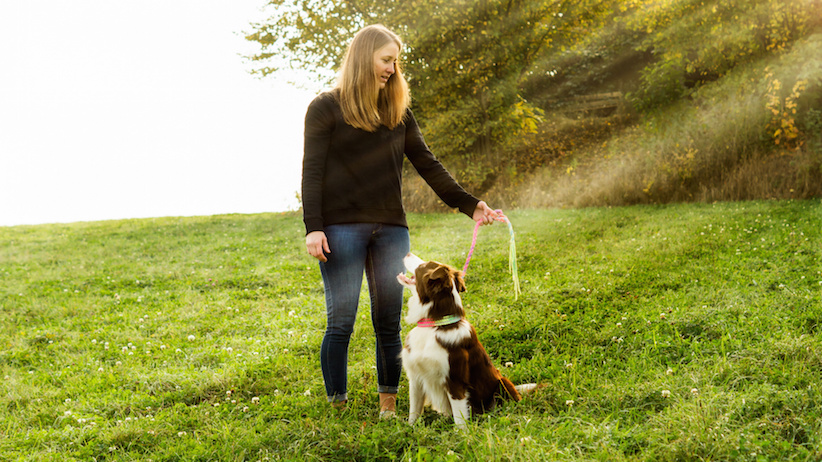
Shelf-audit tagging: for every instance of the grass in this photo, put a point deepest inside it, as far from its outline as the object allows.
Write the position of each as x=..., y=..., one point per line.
x=679, y=332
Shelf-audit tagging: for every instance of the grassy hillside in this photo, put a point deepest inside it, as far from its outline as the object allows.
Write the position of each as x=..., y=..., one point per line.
x=720, y=100
x=681, y=332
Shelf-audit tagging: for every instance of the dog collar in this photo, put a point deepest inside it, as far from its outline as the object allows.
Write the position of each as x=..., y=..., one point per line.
x=448, y=320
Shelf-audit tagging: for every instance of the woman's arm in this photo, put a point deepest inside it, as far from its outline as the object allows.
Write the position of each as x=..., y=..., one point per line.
x=319, y=124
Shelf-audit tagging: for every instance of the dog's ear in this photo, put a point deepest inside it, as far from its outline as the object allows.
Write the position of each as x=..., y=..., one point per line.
x=440, y=277
x=459, y=281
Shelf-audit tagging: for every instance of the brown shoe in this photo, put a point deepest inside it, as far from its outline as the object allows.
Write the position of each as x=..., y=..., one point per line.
x=340, y=405
x=388, y=405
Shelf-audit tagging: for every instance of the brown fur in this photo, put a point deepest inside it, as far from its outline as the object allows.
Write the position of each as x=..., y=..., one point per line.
x=472, y=372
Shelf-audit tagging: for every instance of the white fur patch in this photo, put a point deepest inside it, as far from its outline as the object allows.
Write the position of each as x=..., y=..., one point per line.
x=456, y=293
x=412, y=262
x=426, y=364
x=416, y=310
x=456, y=336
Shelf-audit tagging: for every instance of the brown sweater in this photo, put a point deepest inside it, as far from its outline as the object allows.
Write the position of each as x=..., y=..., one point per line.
x=354, y=176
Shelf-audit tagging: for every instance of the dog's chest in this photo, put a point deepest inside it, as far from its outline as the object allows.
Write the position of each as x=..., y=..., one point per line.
x=423, y=354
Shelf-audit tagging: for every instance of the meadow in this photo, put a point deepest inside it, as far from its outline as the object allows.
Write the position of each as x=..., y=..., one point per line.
x=673, y=332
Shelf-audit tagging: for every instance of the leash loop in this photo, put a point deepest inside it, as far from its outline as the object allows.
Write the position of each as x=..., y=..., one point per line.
x=512, y=251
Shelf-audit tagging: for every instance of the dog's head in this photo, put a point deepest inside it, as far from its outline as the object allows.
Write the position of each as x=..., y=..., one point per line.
x=436, y=285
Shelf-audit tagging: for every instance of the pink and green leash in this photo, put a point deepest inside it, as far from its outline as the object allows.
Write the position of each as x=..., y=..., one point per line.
x=512, y=251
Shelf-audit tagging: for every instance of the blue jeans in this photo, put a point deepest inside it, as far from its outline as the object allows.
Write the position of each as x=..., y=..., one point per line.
x=378, y=250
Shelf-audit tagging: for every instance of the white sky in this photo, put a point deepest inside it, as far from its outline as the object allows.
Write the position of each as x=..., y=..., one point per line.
x=140, y=108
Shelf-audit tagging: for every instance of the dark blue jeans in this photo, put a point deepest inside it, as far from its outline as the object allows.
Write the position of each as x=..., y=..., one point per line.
x=377, y=250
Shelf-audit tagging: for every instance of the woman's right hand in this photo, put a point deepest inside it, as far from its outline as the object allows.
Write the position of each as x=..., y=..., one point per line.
x=317, y=245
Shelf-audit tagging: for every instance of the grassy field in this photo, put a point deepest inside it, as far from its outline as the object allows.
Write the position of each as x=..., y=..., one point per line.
x=681, y=332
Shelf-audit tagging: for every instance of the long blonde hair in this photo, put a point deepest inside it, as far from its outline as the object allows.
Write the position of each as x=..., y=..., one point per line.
x=364, y=105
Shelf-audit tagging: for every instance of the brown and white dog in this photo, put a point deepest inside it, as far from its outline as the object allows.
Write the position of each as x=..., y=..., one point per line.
x=445, y=362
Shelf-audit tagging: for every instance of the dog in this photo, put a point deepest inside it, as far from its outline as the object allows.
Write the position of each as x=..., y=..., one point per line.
x=445, y=362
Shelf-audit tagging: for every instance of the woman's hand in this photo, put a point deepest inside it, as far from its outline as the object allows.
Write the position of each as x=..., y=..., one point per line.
x=317, y=243
x=484, y=214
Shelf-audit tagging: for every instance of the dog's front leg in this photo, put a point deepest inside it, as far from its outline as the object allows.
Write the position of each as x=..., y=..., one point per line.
x=416, y=400
x=461, y=411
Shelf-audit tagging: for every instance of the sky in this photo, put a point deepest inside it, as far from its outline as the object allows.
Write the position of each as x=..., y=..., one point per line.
x=113, y=109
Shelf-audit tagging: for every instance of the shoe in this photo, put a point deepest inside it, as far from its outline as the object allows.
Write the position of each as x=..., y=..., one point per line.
x=388, y=403
x=340, y=405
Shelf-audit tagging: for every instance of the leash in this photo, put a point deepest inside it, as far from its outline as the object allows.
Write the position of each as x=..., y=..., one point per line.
x=512, y=251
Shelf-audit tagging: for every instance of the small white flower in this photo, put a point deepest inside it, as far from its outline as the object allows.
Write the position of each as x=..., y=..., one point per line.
x=307, y=393
x=694, y=391
x=666, y=393
x=191, y=338
x=569, y=402
x=525, y=439
x=669, y=371
x=118, y=363
x=256, y=399
x=68, y=400
x=245, y=409
x=181, y=434
x=67, y=413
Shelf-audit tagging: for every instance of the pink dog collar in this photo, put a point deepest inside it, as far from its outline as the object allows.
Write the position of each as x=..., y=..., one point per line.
x=448, y=320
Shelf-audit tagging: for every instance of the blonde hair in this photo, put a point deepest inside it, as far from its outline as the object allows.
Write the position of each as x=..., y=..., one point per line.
x=364, y=105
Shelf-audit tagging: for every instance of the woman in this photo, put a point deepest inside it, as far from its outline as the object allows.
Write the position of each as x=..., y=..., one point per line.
x=355, y=138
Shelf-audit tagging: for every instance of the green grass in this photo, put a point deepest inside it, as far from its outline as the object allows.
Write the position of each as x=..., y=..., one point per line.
x=681, y=332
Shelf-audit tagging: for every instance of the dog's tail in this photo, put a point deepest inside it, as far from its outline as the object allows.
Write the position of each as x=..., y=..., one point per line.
x=527, y=388
x=510, y=389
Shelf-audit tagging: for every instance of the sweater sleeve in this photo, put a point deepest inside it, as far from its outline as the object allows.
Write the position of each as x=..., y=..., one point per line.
x=433, y=172
x=319, y=124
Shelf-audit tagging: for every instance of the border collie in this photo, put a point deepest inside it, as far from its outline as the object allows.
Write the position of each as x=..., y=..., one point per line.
x=445, y=362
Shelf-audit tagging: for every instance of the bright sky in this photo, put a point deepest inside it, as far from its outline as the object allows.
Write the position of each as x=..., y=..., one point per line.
x=140, y=108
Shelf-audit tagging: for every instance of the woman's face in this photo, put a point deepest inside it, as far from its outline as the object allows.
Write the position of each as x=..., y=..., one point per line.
x=384, y=60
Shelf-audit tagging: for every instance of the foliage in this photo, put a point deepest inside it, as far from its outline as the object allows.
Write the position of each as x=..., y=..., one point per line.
x=465, y=61
x=731, y=33
x=490, y=80
x=685, y=332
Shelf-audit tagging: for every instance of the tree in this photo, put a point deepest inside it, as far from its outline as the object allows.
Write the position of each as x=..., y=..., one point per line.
x=465, y=60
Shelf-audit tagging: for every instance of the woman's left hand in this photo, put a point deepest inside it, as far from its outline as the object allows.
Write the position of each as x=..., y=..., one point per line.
x=484, y=214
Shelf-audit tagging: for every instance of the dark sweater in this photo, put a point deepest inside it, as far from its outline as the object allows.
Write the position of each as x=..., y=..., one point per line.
x=354, y=176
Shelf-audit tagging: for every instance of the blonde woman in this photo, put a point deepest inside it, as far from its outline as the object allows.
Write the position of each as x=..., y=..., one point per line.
x=355, y=138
